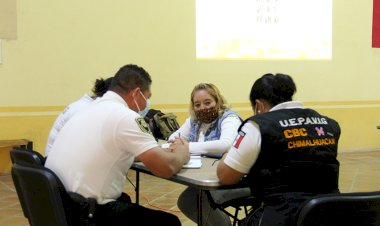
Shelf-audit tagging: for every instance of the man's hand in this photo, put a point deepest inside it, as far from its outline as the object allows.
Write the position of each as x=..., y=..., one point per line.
x=164, y=163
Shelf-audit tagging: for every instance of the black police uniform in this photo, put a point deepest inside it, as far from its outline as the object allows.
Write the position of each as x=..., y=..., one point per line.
x=297, y=161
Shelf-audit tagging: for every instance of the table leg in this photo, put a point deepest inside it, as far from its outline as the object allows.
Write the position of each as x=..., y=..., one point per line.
x=200, y=194
x=137, y=188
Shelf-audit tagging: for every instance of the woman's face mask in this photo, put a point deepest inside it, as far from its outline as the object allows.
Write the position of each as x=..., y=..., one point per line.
x=207, y=115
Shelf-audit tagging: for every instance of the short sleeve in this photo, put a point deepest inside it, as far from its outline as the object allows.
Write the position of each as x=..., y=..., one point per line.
x=245, y=149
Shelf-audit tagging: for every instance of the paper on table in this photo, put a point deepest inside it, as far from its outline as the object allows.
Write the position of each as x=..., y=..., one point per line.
x=165, y=145
x=194, y=163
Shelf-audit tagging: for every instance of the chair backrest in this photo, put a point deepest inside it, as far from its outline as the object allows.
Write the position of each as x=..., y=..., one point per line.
x=42, y=194
x=361, y=208
x=26, y=157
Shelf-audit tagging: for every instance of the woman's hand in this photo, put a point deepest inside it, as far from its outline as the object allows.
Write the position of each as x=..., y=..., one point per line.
x=177, y=142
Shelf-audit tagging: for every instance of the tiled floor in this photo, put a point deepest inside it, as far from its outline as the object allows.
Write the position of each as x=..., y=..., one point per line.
x=358, y=172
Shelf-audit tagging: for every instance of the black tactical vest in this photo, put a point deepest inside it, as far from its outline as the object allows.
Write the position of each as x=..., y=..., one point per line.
x=298, y=153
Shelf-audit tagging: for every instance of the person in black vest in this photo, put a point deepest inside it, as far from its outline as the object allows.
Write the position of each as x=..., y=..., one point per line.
x=285, y=152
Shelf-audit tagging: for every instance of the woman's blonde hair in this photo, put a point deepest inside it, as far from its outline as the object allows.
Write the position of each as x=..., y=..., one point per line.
x=211, y=89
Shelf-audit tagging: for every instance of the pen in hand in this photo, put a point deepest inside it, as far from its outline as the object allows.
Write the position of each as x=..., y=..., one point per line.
x=179, y=136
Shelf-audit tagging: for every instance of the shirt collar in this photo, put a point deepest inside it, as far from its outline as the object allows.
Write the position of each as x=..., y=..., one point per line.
x=111, y=95
x=287, y=105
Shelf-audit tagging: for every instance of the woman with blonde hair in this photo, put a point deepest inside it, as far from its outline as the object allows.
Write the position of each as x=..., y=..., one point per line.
x=212, y=125
x=211, y=128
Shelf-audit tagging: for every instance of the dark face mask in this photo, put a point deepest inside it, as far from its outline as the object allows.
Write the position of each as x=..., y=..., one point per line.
x=207, y=115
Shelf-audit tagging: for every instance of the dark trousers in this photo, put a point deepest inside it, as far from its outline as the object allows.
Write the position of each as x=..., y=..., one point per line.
x=123, y=212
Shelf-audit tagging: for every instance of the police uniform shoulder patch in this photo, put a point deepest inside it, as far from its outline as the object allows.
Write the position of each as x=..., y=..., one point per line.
x=143, y=125
x=238, y=139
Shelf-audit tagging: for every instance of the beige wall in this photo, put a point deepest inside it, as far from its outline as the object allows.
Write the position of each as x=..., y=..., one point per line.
x=63, y=46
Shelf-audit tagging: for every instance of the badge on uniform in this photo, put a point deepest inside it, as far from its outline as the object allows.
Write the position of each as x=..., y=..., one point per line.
x=143, y=125
x=238, y=139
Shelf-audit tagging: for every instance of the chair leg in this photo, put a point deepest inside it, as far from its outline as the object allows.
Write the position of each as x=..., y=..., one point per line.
x=236, y=220
x=246, y=210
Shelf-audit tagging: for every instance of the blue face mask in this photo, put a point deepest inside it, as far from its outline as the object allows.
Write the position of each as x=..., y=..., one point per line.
x=146, y=109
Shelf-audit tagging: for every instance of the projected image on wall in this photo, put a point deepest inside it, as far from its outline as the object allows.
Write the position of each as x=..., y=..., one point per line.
x=263, y=29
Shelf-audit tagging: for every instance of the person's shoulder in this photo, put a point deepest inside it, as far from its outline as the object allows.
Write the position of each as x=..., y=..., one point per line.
x=232, y=117
x=83, y=101
x=130, y=118
x=328, y=118
x=230, y=114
